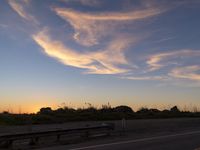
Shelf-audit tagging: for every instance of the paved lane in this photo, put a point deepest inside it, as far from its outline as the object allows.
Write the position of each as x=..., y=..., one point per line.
x=180, y=141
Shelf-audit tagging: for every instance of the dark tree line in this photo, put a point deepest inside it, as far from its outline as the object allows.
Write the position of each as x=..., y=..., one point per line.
x=106, y=112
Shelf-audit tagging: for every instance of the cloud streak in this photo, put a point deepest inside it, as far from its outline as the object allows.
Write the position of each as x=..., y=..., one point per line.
x=169, y=66
x=90, y=27
x=103, y=29
x=99, y=62
x=19, y=8
x=91, y=3
x=109, y=16
x=158, y=61
x=111, y=59
x=143, y=78
x=186, y=72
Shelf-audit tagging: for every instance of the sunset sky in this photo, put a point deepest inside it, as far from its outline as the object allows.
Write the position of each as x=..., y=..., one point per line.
x=130, y=52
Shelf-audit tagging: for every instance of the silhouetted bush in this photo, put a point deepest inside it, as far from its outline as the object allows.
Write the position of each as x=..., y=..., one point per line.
x=175, y=109
x=45, y=111
x=106, y=112
x=123, y=109
x=143, y=111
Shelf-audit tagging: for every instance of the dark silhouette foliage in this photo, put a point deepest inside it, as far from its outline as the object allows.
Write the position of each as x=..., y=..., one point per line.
x=123, y=109
x=106, y=112
x=45, y=111
x=175, y=109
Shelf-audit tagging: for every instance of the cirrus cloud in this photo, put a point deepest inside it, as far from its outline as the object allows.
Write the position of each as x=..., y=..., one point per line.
x=169, y=66
x=158, y=61
x=91, y=27
x=186, y=72
x=100, y=62
x=19, y=8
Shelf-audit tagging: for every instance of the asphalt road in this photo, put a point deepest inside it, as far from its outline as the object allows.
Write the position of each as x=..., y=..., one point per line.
x=175, y=141
x=144, y=134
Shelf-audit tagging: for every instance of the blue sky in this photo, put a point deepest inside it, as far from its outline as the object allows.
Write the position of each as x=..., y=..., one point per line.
x=137, y=53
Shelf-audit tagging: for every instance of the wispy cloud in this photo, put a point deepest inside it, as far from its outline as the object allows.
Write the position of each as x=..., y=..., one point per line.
x=164, y=39
x=90, y=27
x=159, y=78
x=3, y=26
x=99, y=62
x=173, y=67
x=19, y=8
x=86, y=2
x=160, y=60
x=93, y=28
x=109, y=16
x=186, y=72
x=90, y=2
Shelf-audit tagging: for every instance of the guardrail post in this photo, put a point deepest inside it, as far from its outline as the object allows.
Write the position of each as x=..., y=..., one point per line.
x=123, y=124
x=7, y=144
x=58, y=138
x=34, y=141
x=87, y=133
x=111, y=127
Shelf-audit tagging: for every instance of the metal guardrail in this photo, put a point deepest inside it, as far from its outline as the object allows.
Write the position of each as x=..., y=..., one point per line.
x=7, y=140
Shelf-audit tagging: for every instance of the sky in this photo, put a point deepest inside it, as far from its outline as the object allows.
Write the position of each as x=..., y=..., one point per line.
x=123, y=52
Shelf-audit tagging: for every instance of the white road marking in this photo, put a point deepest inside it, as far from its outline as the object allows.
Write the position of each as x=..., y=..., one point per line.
x=137, y=140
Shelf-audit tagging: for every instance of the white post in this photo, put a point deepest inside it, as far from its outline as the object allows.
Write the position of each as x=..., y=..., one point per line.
x=123, y=125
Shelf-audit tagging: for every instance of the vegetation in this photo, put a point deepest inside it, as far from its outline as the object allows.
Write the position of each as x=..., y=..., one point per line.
x=106, y=112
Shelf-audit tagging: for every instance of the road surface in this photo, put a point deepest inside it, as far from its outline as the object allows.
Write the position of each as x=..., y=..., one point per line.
x=176, y=141
x=144, y=134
